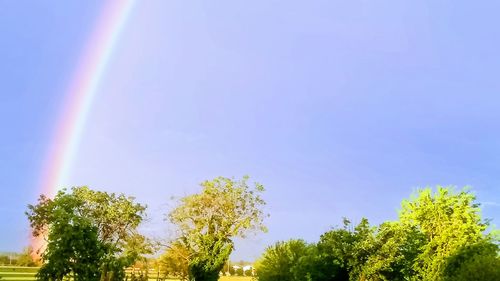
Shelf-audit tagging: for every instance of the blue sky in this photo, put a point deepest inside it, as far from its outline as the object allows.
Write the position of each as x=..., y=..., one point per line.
x=340, y=108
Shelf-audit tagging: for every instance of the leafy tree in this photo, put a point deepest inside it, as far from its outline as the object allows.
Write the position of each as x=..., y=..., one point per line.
x=393, y=252
x=209, y=220
x=104, y=224
x=73, y=245
x=448, y=219
x=362, y=237
x=175, y=261
x=4, y=260
x=281, y=261
x=341, y=252
x=479, y=262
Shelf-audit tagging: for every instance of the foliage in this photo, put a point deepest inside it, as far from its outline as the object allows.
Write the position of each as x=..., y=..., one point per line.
x=440, y=236
x=392, y=252
x=280, y=261
x=95, y=228
x=343, y=252
x=448, y=219
x=26, y=258
x=73, y=245
x=239, y=271
x=479, y=261
x=248, y=272
x=209, y=220
x=174, y=262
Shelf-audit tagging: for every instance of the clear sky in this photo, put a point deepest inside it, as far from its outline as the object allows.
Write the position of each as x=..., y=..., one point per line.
x=340, y=108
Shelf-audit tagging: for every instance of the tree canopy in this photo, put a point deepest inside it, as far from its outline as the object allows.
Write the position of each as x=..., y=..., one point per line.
x=208, y=221
x=91, y=234
x=440, y=236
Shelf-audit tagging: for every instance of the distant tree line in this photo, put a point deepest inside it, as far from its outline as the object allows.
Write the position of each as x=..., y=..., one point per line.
x=439, y=236
x=19, y=259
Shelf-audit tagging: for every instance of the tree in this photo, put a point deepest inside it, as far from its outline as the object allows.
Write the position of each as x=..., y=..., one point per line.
x=335, y=250
x=393, y=252
x=95, y=228
x=4, y=260
x=73, y=245
x=208, y=221
x=281, y=261
x=362, y=236
x=479, y=262
x=175, y=261
x=448, y=219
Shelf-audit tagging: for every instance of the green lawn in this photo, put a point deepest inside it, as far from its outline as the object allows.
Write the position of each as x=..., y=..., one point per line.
x=8, y=273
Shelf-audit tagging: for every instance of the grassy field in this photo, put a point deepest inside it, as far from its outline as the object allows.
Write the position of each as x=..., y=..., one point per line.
x=15, y=273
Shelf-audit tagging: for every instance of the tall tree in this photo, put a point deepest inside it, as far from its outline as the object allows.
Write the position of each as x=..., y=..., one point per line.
x=107, y=221
x=209, y=220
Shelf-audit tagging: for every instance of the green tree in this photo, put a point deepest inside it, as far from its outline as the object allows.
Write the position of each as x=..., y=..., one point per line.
x=449, y=220
x=209, y=220
x=282, y=261
x=175, y=261
x=393, y=252
x=342, y=251
x=4, y=260
x=73, y=245
x=105, y=225
x=478, y=262
x=363, y=236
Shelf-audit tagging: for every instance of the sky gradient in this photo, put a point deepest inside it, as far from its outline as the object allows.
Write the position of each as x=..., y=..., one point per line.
x=339, y=108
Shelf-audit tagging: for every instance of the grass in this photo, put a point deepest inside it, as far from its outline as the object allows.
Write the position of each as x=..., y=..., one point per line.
x=16, y=273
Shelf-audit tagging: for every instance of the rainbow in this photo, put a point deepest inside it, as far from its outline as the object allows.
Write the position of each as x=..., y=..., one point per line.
x=80, y=95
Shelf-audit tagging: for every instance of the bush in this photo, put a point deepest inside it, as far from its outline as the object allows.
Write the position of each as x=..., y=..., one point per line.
x=248, y=272
x=280, y=261
x=239, y=271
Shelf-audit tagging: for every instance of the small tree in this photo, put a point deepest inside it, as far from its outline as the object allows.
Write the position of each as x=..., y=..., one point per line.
x=175, y=261
x=209, y=220
x=239, y=271
x=248, y=272
x=281, y=261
